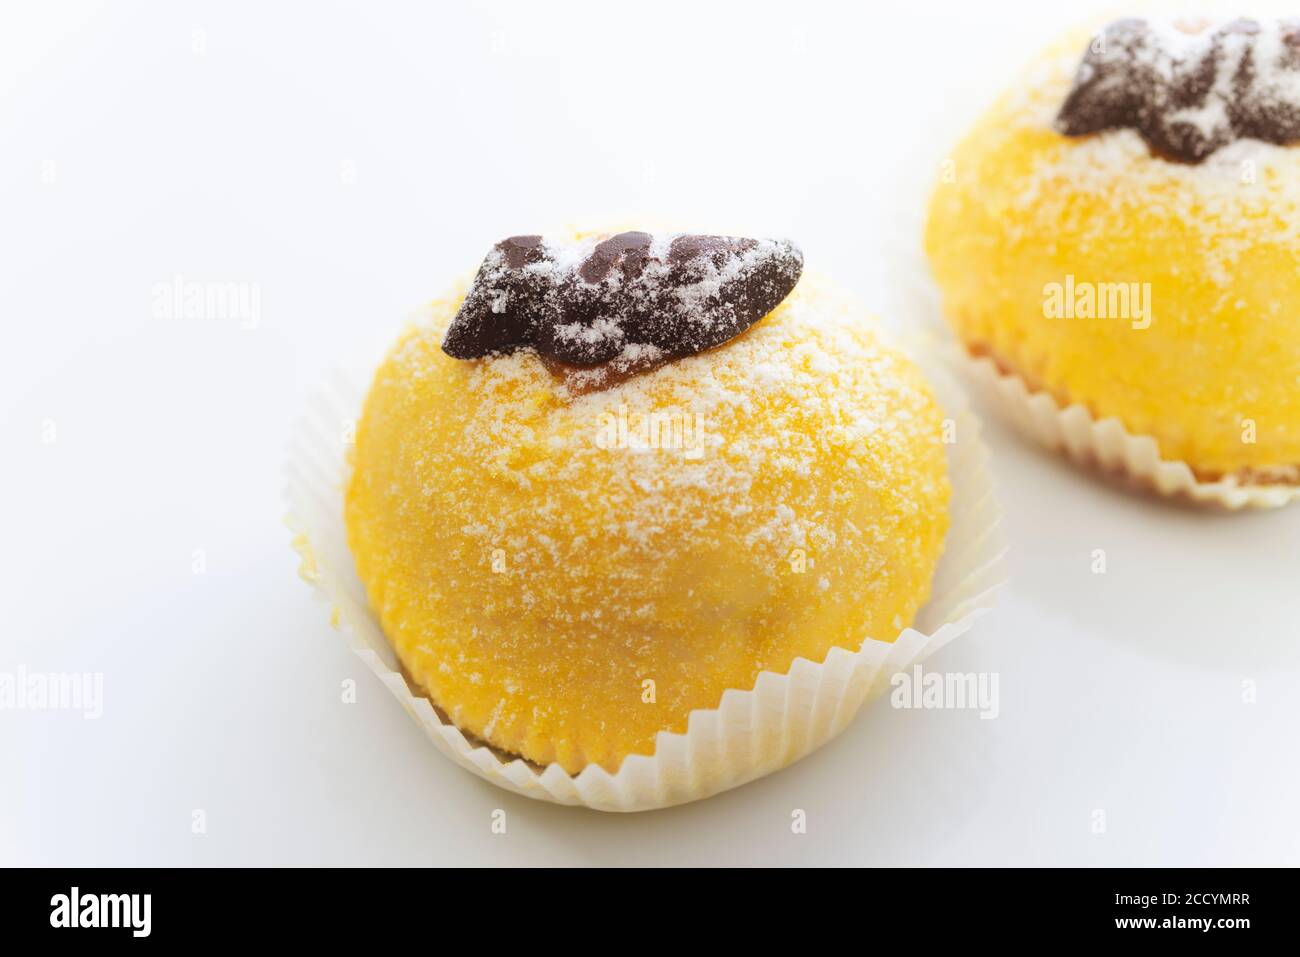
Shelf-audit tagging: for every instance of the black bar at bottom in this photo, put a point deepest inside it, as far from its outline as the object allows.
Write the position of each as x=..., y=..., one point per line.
x=359, y=906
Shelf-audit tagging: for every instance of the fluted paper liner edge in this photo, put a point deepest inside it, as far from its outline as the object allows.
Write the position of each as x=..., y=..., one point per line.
x=1106, y=444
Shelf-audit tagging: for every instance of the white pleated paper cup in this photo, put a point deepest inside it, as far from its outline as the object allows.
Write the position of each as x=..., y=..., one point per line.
x=1106, y=444
x=752, y=732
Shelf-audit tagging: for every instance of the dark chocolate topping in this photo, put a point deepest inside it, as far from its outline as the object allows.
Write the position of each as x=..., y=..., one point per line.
x=630, y=295
x=1189, y=92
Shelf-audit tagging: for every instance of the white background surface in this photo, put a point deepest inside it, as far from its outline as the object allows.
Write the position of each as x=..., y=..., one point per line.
x=351, y=159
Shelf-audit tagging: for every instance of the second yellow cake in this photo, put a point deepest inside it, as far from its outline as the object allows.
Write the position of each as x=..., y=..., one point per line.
x=1122, y=230
x=570, y=558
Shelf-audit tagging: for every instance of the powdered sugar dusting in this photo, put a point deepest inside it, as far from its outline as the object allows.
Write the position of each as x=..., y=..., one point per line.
x=816, y=375
x=1189, y=89
x=585, y=301
x=1244, y=194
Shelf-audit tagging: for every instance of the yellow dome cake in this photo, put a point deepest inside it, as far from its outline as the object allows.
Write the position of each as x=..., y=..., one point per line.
x=623, y=475
x=1124, y=233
